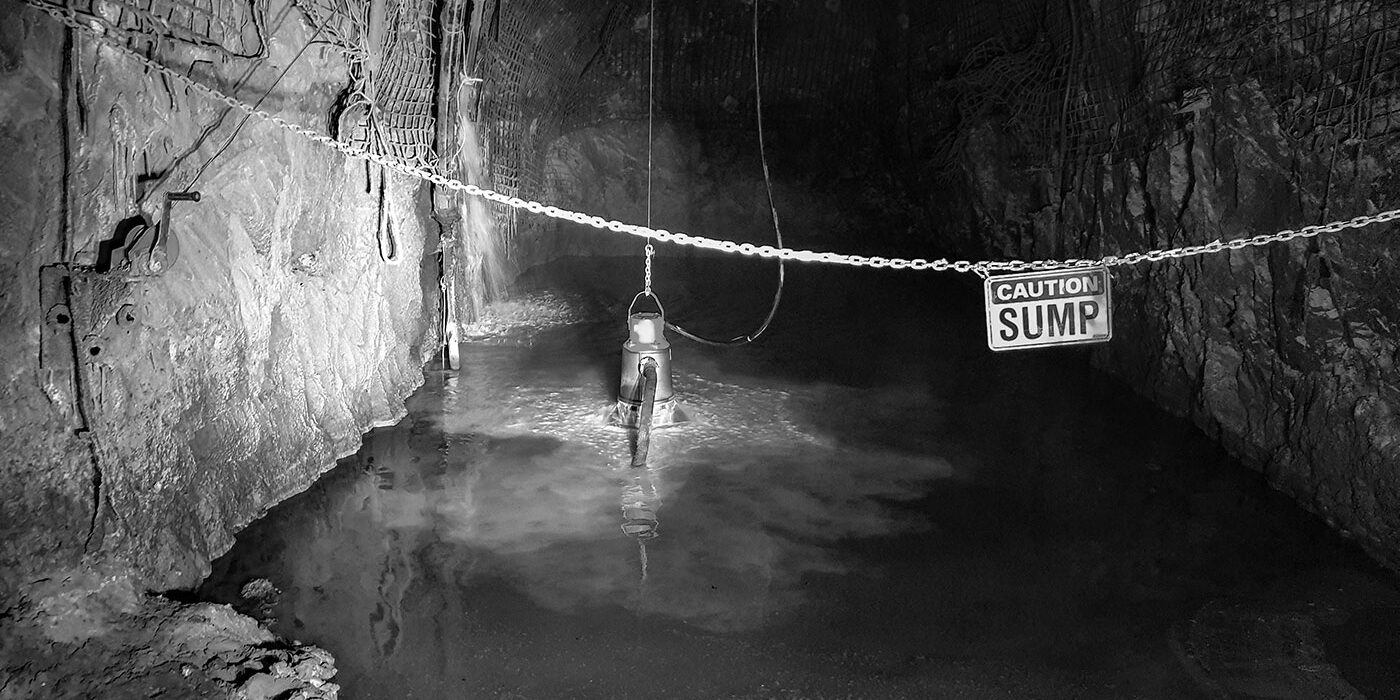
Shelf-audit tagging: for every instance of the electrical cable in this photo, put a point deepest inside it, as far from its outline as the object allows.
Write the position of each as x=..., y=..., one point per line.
x=244, y=122
x=772, y=207
x=209, y=131
x=651, y=103
x=650, y=250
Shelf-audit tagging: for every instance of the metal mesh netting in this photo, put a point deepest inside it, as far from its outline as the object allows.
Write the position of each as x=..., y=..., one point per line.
x=232, y=27
x=400, y=84
x=514, y=60
x=1342, y=63
x=390, y=103
x=390, y=46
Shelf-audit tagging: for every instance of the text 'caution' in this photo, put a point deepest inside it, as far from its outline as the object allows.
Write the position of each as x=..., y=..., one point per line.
x=1040, y=309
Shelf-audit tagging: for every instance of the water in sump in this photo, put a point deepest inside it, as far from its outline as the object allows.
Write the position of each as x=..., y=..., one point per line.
x=868, y=504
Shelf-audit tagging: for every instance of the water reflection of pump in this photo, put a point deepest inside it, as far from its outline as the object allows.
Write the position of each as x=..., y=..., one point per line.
x=639, y=505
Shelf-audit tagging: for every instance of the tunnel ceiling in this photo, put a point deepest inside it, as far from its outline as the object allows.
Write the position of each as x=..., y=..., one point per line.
x=1069, y=80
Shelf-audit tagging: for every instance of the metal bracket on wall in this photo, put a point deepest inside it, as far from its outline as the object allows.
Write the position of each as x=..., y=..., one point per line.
x=89, y=322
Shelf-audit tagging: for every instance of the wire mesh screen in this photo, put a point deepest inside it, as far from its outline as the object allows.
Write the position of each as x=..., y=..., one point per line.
x=1338, y=66
x=232, y=27
x=503, y=71
x=532, y=55
x=400, y=83
x=390, y=103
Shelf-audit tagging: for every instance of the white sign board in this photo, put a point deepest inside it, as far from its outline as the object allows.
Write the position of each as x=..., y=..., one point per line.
x=1042, y=309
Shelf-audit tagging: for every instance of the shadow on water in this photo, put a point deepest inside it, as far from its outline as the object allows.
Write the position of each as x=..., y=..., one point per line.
x=868, y=504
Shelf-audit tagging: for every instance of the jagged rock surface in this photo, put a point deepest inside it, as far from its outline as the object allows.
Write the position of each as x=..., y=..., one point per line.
x=97, y=636
x=148, y=417
x=185, y=403
x=1285, y=353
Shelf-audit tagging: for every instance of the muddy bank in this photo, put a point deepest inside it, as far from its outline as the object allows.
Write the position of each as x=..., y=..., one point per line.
x=98, y=637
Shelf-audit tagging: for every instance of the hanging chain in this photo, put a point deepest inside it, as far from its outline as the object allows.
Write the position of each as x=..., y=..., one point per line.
x=101, y=31
x=646, y=285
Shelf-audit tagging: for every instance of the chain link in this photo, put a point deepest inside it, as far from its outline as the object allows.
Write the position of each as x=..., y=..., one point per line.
x=646, y=283
x=104, y=32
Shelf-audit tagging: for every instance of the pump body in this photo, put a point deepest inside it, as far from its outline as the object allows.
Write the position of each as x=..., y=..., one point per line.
x=646, y=340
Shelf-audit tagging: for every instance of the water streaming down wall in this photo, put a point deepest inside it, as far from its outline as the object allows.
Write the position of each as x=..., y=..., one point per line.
x=479, y=244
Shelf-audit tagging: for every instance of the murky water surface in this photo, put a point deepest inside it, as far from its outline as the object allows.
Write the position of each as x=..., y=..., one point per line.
x=867, y=504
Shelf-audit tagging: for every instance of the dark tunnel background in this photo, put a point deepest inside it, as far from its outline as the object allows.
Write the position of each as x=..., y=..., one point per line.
x=154, y=411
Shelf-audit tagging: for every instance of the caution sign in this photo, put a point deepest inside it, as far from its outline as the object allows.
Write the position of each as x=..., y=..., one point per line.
x=1040, y=309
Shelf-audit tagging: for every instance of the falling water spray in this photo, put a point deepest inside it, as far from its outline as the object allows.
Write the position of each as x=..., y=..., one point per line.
x=483, y=274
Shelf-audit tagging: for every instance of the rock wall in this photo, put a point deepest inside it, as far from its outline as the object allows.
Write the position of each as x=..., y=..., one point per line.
x=1285, y=353
x=147, y=417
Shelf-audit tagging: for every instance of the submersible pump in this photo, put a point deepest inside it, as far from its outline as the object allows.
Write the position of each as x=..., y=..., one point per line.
x=646, y=373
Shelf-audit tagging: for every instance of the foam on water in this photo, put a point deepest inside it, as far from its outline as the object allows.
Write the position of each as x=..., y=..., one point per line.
x=513, y=461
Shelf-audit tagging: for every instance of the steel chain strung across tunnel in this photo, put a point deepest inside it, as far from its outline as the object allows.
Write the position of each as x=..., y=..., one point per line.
x=101, y=30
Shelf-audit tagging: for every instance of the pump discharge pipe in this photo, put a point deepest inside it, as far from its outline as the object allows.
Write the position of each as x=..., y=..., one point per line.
x=644, y=415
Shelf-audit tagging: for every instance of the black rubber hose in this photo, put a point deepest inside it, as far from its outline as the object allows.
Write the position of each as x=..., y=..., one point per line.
x=639, y=456
x=772, y=207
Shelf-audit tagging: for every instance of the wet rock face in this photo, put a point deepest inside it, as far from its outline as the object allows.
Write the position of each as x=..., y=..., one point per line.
x=148, y=416
x=1286, y=353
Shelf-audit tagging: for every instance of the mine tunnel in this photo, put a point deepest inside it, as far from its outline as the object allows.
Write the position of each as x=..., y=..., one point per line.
x=699, y=349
